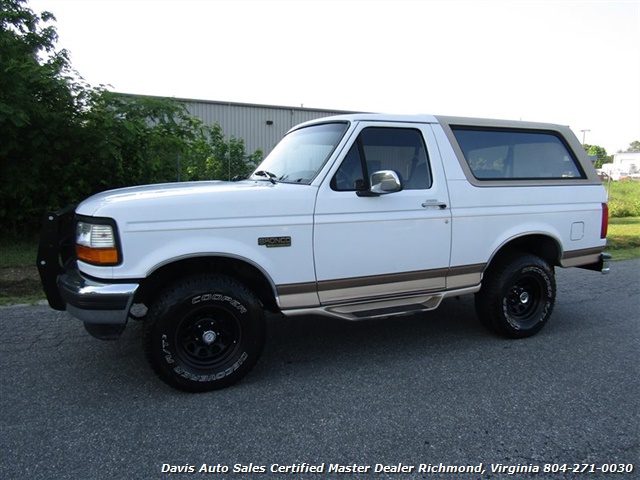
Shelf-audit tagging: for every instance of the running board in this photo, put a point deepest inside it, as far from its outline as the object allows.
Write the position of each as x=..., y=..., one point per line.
x=383, y=308
x=388, y=308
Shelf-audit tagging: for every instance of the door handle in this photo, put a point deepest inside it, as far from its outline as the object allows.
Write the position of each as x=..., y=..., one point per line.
x=434, y=203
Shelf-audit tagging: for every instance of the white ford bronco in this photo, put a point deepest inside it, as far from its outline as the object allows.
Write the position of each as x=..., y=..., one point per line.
x=353, y=216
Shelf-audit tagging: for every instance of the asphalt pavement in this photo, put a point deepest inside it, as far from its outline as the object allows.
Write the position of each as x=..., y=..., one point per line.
x=407, y=398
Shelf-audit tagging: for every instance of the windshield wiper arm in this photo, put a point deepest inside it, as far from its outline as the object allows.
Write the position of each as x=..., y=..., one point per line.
x=269, y=175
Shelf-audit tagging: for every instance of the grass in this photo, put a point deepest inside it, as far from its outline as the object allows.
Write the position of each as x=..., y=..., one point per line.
x=18, y=254
x=624, y=199
x=20, y=283
x=19, y=280
x=623, y=238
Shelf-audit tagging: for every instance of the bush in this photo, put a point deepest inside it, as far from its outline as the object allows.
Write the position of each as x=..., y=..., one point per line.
x=62, y=140
x=624, y=199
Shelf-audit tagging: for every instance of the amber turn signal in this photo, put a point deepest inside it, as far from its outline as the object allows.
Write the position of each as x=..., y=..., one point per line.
x=97, y=256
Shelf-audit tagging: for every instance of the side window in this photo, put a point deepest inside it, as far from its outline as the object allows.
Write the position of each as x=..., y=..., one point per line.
x=495, y=154
x=380, y=148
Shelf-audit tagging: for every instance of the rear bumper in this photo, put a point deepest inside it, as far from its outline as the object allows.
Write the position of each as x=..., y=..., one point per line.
x=606, y=260
x=602, y=265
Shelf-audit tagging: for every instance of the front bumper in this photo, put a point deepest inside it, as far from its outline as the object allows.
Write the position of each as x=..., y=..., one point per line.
x=96, y=302
x=103, y=307
x=56, y=249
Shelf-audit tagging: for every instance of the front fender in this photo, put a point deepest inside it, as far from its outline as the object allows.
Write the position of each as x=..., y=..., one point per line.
x=147, y=251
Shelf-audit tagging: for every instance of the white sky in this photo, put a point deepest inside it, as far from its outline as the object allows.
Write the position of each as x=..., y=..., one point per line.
x=571, y=62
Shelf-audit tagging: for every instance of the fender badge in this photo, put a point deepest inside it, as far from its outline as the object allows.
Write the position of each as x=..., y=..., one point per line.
x=270, y=242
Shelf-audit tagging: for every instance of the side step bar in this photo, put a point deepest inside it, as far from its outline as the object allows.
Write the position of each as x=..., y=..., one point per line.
x=383, y=308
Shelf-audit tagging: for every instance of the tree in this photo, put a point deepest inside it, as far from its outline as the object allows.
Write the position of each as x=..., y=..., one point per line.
x=211, y=157
x=599, y=152
x=634, y=146
x=62, y=140
x=130, y=140
x=39, y=106
x=140, y=140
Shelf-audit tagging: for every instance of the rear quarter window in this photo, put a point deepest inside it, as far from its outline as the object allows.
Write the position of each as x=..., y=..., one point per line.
x=512, y=154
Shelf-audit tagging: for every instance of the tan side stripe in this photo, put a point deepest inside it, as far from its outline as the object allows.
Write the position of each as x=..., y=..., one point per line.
x=304, y=294
x=582, y=253
x=385, y=279
x=296, y=288
x=307, y=287
x=466, y=269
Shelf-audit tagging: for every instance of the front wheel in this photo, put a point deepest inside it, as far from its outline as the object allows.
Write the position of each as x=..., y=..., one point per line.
x=517, y=296
x=204, y=333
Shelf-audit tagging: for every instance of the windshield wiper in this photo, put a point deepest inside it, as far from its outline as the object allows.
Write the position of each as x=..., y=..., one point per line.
x=269, y=175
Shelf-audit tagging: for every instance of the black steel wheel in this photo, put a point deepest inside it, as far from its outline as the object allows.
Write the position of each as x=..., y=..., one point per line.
x=204, y=333
x=207, y=337
x=517, y=296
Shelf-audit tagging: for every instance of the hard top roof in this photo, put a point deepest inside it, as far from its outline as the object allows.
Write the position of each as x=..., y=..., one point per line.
x=441, y=119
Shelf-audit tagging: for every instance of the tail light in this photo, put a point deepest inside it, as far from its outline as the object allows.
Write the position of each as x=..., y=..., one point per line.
x=605, y=221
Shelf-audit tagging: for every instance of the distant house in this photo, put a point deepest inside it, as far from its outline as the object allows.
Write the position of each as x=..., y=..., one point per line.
x=625, y=164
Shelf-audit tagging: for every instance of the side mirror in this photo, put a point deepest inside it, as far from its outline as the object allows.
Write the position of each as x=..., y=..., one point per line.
x=382, y=183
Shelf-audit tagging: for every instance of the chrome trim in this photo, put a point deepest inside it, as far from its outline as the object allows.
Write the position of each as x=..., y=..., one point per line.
x=96, y=302
x=606, y=263
x=381, y=308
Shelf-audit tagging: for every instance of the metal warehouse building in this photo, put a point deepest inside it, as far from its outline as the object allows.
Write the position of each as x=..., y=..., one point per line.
x=260, y=126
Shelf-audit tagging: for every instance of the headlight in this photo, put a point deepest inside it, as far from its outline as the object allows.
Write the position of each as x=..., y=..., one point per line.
x=96, y=243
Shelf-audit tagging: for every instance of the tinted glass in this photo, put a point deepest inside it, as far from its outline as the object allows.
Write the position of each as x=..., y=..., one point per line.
x=399, y=149
x=302, y=153
x=494, y=154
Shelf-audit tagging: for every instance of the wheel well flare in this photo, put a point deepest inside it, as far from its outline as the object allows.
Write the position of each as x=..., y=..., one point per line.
x=542, y=246
x=252, y=277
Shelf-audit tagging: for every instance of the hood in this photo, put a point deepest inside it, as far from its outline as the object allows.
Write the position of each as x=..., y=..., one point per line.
x=200, y=201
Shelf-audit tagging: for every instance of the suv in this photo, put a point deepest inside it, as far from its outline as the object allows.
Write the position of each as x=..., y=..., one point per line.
x=352, y=216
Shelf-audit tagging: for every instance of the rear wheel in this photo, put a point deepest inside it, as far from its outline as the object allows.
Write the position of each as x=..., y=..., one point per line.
x=517, y=296
x=204, y=333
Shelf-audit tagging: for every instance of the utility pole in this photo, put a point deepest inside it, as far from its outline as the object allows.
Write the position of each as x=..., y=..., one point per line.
x=584, y=132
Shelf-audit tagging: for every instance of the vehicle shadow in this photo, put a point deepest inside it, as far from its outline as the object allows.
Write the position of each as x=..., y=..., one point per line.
x=314, y=344
x=300, y=348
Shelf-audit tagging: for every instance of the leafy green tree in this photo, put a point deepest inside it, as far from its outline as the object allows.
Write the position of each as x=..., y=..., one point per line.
x=138, y=140
x=211, y=157
x=130, y=140
x=62, y=140
x=600, y=153
x=39, y=105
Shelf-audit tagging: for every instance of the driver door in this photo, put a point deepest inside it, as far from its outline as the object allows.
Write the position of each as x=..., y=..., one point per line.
x=370, y=246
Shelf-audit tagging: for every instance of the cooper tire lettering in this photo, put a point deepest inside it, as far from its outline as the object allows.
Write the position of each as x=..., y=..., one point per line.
x=216, y=298
x=204, y=333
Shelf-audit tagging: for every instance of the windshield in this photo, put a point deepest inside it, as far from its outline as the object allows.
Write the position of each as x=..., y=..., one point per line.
x=301, y=154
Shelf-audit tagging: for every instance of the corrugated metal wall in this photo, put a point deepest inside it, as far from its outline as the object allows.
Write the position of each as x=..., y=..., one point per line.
x=261, y=126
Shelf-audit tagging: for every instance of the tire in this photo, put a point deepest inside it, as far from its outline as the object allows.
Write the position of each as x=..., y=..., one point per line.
x=204, y=333
x=517, y=296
